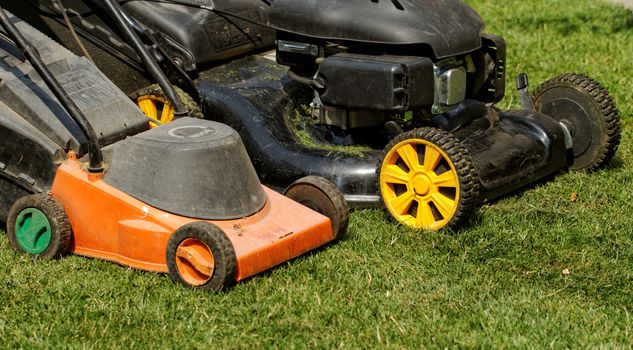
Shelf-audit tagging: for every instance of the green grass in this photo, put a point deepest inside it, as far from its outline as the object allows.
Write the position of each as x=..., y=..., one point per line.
x=298, y=124
x=496, y=283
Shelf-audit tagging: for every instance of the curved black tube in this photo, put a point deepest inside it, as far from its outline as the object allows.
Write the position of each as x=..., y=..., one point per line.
x=151, y=66
x=279, y=159
x=299, y=79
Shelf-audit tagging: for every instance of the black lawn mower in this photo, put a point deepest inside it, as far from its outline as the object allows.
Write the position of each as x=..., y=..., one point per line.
x=392, y=100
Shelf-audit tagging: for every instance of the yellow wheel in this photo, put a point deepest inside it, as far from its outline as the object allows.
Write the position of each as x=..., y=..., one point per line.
x=156, y=108
x=155, y=105
x=427, y=180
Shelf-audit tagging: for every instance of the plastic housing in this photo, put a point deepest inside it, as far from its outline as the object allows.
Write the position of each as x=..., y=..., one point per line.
x=190, y=167
x=384, y=83
x=448, y=27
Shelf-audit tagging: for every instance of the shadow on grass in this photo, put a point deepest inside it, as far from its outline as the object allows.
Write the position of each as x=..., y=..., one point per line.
x=615, y=164
x=528, y=187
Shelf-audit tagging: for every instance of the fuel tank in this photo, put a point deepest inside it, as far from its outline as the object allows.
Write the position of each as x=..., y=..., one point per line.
x=448, y=27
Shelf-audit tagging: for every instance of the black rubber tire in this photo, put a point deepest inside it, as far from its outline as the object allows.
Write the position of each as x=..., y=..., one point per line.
x=322, y=196
x=460, y=157
x=187, y=100
x=595, y=123
x=225, y=267
x=61, y=231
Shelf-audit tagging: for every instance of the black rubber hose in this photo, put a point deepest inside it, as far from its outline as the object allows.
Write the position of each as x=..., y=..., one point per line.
x=94, y=150
x=299, y=79
x=152, y=67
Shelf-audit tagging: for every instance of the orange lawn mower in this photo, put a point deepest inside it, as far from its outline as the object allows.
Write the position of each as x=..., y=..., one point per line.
x=81, y=171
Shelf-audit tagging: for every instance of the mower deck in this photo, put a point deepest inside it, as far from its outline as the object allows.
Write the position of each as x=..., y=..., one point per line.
x=253, y=96
x=109, y=224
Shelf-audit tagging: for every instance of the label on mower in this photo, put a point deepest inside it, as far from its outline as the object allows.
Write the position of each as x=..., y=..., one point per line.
x=190, y=131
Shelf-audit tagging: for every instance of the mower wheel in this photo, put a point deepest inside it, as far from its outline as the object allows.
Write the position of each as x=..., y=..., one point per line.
x=200, y=255
x=38, y=225
x=427, y=180
x=154, y=104
x=323, y=197
x=588, y=112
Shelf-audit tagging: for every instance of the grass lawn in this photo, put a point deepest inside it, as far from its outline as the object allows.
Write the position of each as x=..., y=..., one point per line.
x=497, y=283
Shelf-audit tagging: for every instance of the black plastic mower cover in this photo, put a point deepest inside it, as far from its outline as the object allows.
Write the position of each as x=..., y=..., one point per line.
x=190, y=35
x=448, y=27
x=35, y=129
x=220, y=182
x=108, y=110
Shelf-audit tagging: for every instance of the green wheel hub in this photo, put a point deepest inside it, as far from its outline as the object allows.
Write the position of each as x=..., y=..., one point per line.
x=33, y=231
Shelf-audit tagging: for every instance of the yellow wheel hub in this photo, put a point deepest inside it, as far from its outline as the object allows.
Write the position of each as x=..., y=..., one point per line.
x=156, y=108
x=419, y=184
x=422, y=185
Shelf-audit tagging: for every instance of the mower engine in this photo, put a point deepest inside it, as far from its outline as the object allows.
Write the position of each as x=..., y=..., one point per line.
x=366, y=77
x=422, y=78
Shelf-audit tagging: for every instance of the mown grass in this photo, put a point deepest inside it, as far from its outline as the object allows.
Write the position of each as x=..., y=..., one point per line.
x=499, y=282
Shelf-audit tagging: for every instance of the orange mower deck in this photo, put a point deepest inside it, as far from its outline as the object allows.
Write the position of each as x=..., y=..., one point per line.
x=109, y=224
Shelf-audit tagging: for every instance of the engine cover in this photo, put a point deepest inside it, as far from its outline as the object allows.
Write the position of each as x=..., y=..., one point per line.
x=190, y=167
x=449, y=27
